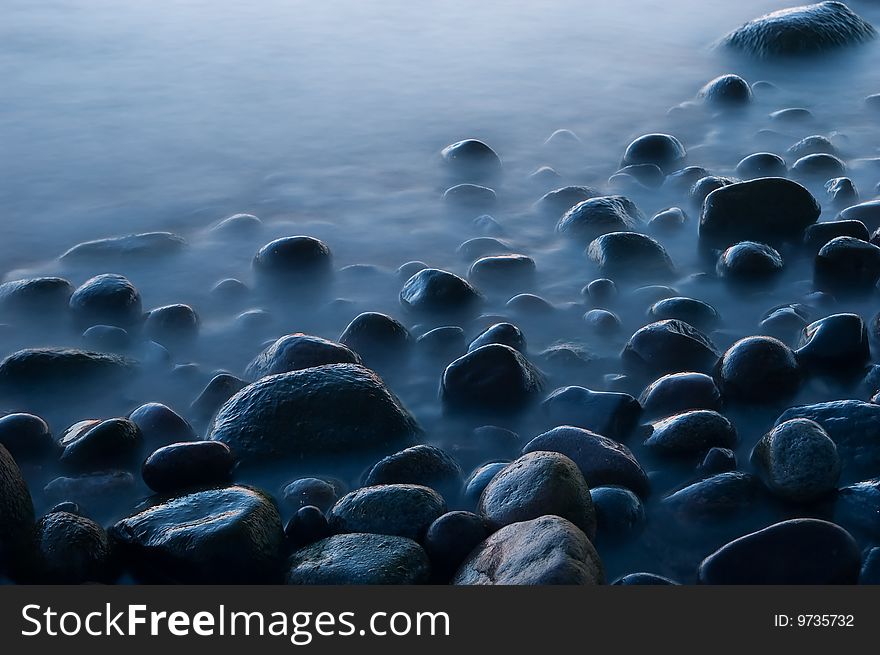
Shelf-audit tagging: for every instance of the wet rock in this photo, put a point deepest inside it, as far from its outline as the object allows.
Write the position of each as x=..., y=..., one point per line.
x=691, y=433
x=432, y=291
x=503, y=333
x=446, y=342
x=760, y=370
x=26, y=437
x=108, y=298
x=812, y=145
x=528, y=304
x=693, y=312
x=602, y=292
x=480, y=247
x=607, y=413
x=662, y=150
x=726, y=92
x=502, y=271
x=310, y=491
x=492, y=378
x=16, y=511
x=356, y=559
x=91, y=489
x=669, y=346
x=799, y=551
x=66, y=370
x=648, y=175
x=537, y=484
x=602, y=461
x=107, y=338
x=853, y=425
x=307, y=526
x=818, y=166
x=450, y=539
x=220, y=389
x=866, y=212
x=295, y=415
x=600, y=215
x=294, y=263
x=94, y=446
x=857, y=507
x=479, y=480
x=784, y=323
x=761, y=164
x=67, y=506
x=668, y=221
x=546, y=550
x=230, y=290
x=678, y=392
x=770, y=210
x=294, y=352
x=835, y=344
x=407, y=270
x=619, y=513
x=559, y=201
x=798, y=461
x=485, y=224
x=701, y=189
x=685, y=178
x=819, y=234
x=842, y=192
x=749, y=262
x=718, y=460
x=219, y=536
x=847, y=266
x=423, y=465
x=602, y=323
x=36, y=297
x=147, y=244
x=471, y=158
x=401, y=510
x=716, y=498
x=70, y=549
x=643, y=579
x=159, y=424
x=467, y=195
x=187, y=465
x=545, y=176
x=792, y=115
x=172, y=325
x=630, y=255
x=379, y=339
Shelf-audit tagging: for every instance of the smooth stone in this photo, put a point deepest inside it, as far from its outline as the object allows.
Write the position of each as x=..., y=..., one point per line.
x=819, y=234
x=502, y=271
x=479, y=480
x=607, y=413
x=601, y=461
x=558, y=201
x=423, y=465
x=784, y=323
x=545, y=176
x=238, y=225
x=95, y=446
x=359, y=559
x=160, y=425
x=379, y=339
x=307, y=526
x=619, y=513
x=792, y=115
x=701, y=189
x=529, y=304
x=487, y=225
x=591, y=218
x=187, y=465
x=835, y=344
x=718, y=460
x=504, y=333
x=812, y=145
x=691, y=433
x=630, y=255
x=856, y=508
x=172, y=324
x=70, y=549
x=107, y=338
x=668, y=221
x=294, y=352
x=761, y=164
x=146, y=245
x=471, y=158
x=469, y=195
x=294, y=262
x=768, y=209
x=798, y=461
x=313, y=492
x=669, y=346
x=107, y=298
x=685, y=178
x=407, y=270
x=36, y=298
x=662, y=150
x=219, y=536
x=543, y=551
x=818, y=166
x=841, y=192
x=62, y=370
x=401, y=510
x=230, y=290
x=694, y=312
x=450, y=539
x=749, y=262
x=432, y=291
x=867, y=212
x=648, y=175
x=760, y=370
x=492, y=378
x=799, y=551
x=716, y=498
x=678, y=392
x=537, y=484
x=16, y=511
x=91, y=489
x=218, y=390
x=479, y=247
x=726, y=92
x=445, y=342
x=296, y=415
x=603, y=323
x=847, y=266
x=27, y=437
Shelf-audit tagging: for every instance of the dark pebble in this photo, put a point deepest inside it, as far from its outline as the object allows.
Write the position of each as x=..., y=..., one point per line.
x=748, y=262
x=677, y=392
x=187, y=465
x=310, y=491
x=306, y=527
x=379, y=339
x=758, y=370
x=662, y=150
x=471, y=158
x=25, y=436
x=423, y=465
x=597, y=216
x=718, y=460
x=432, y=291
x=504, y=333
x=107, y=298
x=835, y=344
x=294, y=352
x=161, y=425
x=97, y=445
x=669, y=346
x=761, y=164
x=630, y=255
x=619, y=513
x=607, y=413
x=694, y=312
x=220, y=389
x=503, y=271
x=726, y=92
x=401, y=510
x=846, y=266
x=294, y=263
x=450, y=539
x=172, y=325
x=691, y=433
